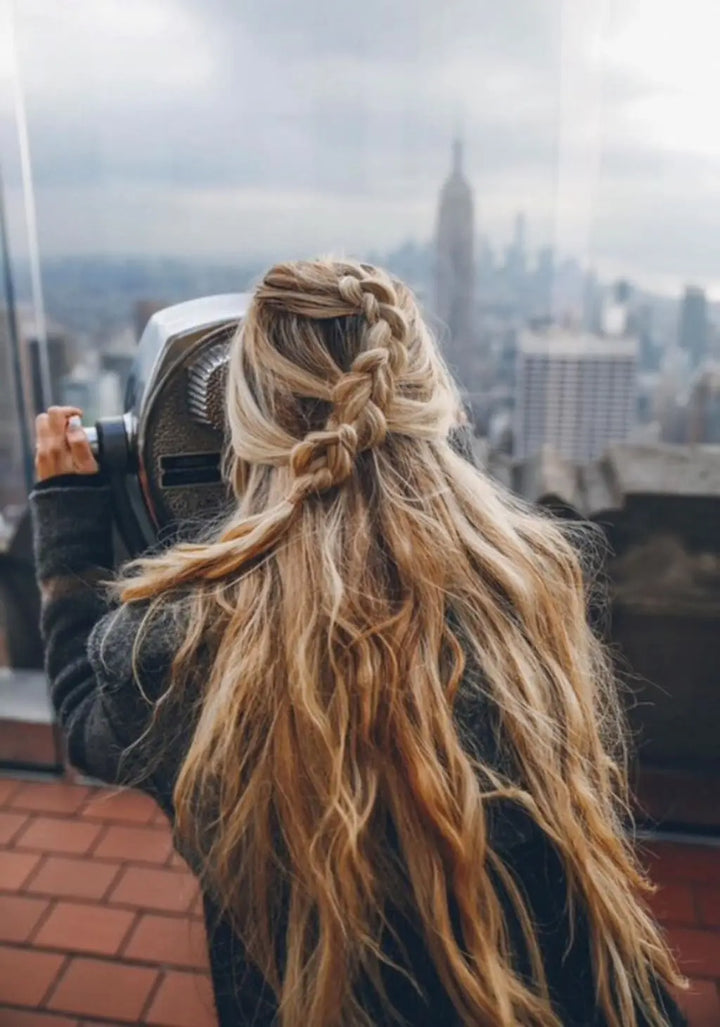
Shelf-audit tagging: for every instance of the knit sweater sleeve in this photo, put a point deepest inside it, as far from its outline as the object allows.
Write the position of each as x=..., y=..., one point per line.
x=102, y=697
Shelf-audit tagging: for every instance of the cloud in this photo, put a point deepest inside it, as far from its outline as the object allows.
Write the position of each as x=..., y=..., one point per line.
x=206, y=126
x=155, y=91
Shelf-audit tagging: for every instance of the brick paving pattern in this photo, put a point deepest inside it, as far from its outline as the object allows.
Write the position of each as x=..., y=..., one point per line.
x=100, y=922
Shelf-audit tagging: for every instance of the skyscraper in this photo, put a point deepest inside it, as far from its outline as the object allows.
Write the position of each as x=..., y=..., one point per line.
x=543, y=282
x=455, y=262
x=615, y=311
x=693, y=329
x=574, y=392
x=61, y=351
x=515, y=258
x=703, y=412
x=515, y=270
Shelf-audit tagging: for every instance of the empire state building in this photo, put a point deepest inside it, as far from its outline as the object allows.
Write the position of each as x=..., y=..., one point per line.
x=454, y=261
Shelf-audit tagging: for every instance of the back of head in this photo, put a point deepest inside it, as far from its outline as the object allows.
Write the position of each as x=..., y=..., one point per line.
x=334, y=361
x=365, y=564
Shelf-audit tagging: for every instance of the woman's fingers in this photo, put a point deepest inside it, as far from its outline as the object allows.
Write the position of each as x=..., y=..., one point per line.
x=82, y=456
x=52, y=455
x=60, y=416
x=60, y=449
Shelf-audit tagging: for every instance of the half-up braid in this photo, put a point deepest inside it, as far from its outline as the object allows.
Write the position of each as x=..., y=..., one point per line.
x=361, y=396
x=364, y=566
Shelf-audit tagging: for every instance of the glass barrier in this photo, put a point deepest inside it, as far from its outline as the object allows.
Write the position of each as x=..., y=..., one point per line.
x=544, y=175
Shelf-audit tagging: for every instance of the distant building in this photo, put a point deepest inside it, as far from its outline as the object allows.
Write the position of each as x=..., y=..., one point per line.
x=60, y=349
x=672, y=389
x=615, y=315
x=592, y=305
x=516, y=262
x=118, y=354
x=650, y=352
x=455, y=263
x=703, y=409
x=544, y=279
x=574, y=392
x=693, y=329
x=62, y=354
x=97, y=393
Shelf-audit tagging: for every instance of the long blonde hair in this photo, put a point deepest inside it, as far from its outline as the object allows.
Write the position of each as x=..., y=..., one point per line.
x=365, y=568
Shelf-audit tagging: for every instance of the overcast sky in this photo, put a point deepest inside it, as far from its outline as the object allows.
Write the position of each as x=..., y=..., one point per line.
x=244, y=129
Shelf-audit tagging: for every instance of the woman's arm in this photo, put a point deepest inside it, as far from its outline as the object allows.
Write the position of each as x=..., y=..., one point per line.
x=88, y=639
x=99, y=706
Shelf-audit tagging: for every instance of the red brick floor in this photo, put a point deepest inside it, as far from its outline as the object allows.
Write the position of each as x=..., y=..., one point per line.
x=100, y=921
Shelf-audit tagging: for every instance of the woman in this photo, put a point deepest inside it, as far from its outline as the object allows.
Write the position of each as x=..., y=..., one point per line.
x=369, y=700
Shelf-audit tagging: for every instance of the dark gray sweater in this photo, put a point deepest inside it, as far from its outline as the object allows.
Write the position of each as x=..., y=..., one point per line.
x=103, y=710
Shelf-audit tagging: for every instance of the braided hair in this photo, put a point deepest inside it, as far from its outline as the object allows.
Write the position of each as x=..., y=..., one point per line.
x=360, y=397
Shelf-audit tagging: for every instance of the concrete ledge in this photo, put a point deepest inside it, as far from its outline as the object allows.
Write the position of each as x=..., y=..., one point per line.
x=28, y=736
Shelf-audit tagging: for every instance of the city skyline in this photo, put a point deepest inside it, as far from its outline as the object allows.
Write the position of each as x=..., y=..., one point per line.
x=166, y=128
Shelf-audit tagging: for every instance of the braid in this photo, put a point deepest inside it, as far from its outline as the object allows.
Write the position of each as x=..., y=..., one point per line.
x=323, y=459
x=378, y=302
x=361, y=397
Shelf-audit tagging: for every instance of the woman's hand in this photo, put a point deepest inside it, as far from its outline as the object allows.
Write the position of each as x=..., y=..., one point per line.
x=62, y=446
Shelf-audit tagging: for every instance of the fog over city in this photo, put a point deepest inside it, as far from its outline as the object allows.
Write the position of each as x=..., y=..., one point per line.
x=206, y=128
